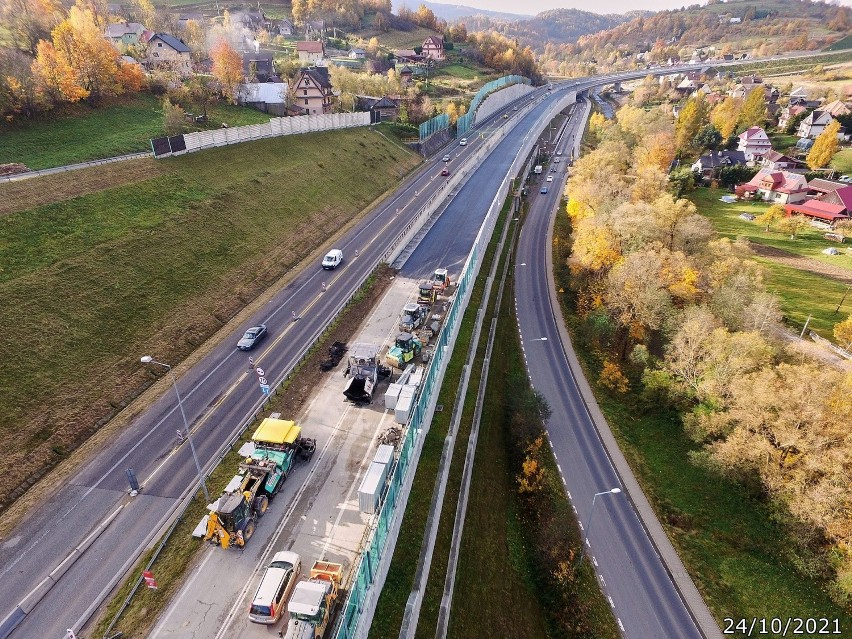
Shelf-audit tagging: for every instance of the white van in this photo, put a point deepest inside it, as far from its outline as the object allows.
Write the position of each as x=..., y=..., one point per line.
x=332, y=260
x=275, y=588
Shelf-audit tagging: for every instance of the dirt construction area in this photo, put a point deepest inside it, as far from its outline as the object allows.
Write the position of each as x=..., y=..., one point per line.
x=317, y=512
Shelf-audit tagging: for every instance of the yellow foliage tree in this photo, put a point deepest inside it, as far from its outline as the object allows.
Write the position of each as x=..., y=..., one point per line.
x=825, y=146
x=452, y=112
x=531, y=479
x=595, y=246
x=769, y=217
x=227, y=69
x=843, y=332
x=613, y=378
x=725, y=116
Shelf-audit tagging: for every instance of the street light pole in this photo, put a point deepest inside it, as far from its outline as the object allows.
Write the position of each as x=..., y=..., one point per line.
x=611, y=491
x=147, y=359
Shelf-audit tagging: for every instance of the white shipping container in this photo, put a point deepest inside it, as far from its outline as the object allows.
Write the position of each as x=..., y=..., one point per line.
x=403, y=405
x=392, y=395
x=384, y=454
x=371, y=488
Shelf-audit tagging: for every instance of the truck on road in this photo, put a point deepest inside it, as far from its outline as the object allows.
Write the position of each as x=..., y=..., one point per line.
x=312, y=604
x=269, y=458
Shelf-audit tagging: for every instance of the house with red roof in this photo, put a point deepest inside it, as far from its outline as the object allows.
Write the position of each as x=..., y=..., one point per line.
x=780, y=187
x=310, y=50
x=841, y=196
x=753, y=142
x=818, y=210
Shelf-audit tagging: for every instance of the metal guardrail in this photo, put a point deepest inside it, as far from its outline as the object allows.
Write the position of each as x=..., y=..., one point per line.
x=17, y=177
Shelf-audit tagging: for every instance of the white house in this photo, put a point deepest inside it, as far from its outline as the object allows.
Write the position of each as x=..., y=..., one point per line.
x=754, y=142
x=814, y=124
x=310, y=50
x=357, y=54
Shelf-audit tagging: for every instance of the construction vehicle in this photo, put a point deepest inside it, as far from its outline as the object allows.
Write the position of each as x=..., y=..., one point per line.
x=405, y=348
x=312, y=604
x=441, y=280
x=364, y=372
x=413, y=316
x=268, y=459
x=426, y=294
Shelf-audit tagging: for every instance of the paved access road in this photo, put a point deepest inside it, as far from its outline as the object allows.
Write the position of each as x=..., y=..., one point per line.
x=644, y=598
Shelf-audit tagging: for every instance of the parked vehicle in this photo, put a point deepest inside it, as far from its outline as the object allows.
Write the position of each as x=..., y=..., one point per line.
x=413, y=316
x=275, y=447
x=426, y=293
x=537, y=170
x=364, y=372
x=275, y=588
x=252, y=337
x=441, y=280
x=332, y=259
x=312, y=605
x=406, y=347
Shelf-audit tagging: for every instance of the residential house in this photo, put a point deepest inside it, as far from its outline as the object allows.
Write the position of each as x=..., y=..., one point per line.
x=836, y=108
x=125, y=34
x=406, y=76
x=842, y=196
x=164, y=51
x=310, y=50
x=686, y=87
x=775, y=161
x=808, y=104
x=357, y=54
x=259, y=68
x=285, y=27
x=788, y=113
x=820, y=210
x=384, y=109
x=821, y=189
x=433, y=47
x=708, y=165
x=781, y=187
x=312, y=91
x=269, y=97
x=406, y=55
x=814, y=124
x=754, y=142
x=799, y=92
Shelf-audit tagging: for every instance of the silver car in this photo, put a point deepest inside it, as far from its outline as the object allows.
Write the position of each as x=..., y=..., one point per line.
x=251, y=337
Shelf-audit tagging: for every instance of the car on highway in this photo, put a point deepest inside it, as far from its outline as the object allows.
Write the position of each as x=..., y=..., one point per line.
x=463, y=142
x=553, y=169
x=332, y=259
x=446, y=158
x=543, y=190
x=251, y=337
x=549, y=178
x=559, y=152
x=505, y=116
x=445, y=172
x=275, y=588
x=514, y=108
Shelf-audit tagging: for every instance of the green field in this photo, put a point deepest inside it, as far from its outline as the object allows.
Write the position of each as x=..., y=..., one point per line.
x=725, y=218
x=735, y=545
x=781, y=141
x=84, y=133
x=156, y=256
x=843, y=161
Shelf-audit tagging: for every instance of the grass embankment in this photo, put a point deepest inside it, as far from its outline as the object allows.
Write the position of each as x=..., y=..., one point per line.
x=156, y=262
x=840, y=45
x=181, y=548
x=82, y=133
x=735, y=545
x=843, y=161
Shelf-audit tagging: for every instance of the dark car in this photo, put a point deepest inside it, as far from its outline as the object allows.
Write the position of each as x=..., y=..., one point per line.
x=445, y=172
x=251, y=337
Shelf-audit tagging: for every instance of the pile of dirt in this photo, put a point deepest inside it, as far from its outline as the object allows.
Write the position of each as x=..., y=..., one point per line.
x=13, y=168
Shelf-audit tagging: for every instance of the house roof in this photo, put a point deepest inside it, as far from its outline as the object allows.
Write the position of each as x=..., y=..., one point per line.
x=433, y=41
x=406, y=69
x=357, y=50
x=844, y=195
x=818, y=209
x=385, y=103
x=319, y=75
x=405, y=53
x=310, y=46
x=817, y=116
x=781, y=181
x=774, y=156
x=118, y=29
x=835, y=108
x=715, y=159
x=172, y=41
x=824, y=186
x=751, y=132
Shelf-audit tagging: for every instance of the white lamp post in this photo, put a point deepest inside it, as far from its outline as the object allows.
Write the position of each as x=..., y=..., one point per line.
x=147, y=359
x=611, y=491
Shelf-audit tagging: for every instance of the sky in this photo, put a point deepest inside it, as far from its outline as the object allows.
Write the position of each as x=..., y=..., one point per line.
x=532, y=7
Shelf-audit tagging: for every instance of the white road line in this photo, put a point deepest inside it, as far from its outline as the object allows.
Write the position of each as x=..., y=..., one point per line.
x=612, y=605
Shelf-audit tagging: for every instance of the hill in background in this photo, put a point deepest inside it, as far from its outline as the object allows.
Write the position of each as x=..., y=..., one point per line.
x=458, y=12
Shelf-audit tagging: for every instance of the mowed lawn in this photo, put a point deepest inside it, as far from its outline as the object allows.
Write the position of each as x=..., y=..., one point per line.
x=83, y=133
x=155, y=260
x=843, y=161
x=727, y=221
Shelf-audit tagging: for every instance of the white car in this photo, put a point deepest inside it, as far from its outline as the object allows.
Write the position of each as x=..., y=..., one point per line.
x=446, y=158
x=550, y=178
x=559, y=153
x=332, y=260
x=463, y=142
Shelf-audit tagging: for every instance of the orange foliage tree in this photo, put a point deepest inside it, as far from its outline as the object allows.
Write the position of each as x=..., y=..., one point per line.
x=227, y=69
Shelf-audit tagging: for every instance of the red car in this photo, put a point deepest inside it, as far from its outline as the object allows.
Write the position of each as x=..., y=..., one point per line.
x=445, y=172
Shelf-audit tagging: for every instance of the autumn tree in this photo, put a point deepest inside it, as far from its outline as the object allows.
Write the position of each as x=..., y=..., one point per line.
x=843, y=333
x=708, y=137
x=689, y=121
x=19, y=94
x=793, y=225
x=770, y=216
x=754, y=112
x=725, y=116
x=29, y=21
x=174, y=118
x=825, y=146
x=227, y=69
